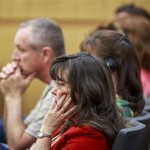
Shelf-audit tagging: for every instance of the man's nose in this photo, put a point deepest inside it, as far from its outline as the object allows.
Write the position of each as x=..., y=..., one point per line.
x=15, y=56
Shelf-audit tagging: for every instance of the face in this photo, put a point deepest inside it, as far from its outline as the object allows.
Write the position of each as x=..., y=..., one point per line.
x=122, y=15
x=61, y=88
x=28, y=60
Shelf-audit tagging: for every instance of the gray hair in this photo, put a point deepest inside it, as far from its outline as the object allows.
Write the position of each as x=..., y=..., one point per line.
x=45, y=33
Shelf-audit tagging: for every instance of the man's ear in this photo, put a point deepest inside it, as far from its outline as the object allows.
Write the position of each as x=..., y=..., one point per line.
x=47, y=54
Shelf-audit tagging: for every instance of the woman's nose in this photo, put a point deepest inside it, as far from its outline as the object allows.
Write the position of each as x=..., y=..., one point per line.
x=54, y=91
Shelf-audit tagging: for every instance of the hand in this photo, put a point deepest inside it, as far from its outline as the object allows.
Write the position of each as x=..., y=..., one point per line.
x=7, y=70
x=57, y=114
x=15, y=84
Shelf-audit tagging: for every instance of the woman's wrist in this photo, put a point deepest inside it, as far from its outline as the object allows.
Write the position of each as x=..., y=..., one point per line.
x=46, y=130
x=43, y=134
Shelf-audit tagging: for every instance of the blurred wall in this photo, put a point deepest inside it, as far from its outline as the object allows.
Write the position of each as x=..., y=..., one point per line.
x=76, y=17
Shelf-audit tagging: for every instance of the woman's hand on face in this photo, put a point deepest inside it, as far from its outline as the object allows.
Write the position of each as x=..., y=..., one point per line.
x=58, y=112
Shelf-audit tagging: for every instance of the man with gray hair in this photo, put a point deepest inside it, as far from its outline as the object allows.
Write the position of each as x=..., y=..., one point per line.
x=38, y=42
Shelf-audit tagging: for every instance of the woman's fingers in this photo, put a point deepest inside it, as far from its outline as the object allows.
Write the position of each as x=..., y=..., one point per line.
x=57, y=103
x=70, y=111
x=53, y=104
x=67, y=106
x=61, y=101
x=57, y=114
x=67, y=113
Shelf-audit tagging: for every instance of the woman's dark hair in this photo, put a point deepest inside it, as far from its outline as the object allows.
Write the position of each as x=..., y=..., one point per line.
x=111, y=44
x=91, y=88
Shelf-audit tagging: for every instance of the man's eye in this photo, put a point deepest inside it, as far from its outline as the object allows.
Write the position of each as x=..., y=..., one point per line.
x=22, y=50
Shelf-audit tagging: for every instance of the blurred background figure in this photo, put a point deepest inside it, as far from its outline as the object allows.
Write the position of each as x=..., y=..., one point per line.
x=131, y=9
x=38, y=41
x=134, y=22
x=120, y=56
x=136, y=25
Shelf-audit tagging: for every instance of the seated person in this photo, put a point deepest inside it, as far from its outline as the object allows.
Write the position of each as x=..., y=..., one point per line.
x=38, y=41
x=137, y=28
x=84, y=115
x=120, y=56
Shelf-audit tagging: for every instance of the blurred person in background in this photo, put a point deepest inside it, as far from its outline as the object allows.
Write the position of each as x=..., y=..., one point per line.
x=137, y=28
x=38, y=42
x=119, y=54
x=134, y=21
x=131, y=9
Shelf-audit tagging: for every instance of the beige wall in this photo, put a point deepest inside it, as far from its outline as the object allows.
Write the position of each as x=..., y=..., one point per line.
x=76, y=17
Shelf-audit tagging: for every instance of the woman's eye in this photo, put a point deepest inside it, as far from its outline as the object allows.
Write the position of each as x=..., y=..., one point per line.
x=60, y=84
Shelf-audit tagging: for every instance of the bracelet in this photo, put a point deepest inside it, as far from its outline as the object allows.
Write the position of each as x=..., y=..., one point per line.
x=42, y=135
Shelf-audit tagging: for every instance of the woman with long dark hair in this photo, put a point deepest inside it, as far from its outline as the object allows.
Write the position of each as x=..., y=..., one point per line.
x=119, y=54
x=84, y=109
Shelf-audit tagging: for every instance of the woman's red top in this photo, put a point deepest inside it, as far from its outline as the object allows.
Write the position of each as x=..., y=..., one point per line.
x=81, y=138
